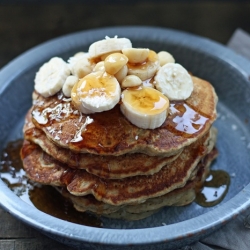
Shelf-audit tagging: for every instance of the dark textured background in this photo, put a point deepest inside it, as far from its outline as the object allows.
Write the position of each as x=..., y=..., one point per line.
x=24, y=24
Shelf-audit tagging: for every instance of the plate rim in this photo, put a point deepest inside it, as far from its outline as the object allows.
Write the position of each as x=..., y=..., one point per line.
x=168, y=233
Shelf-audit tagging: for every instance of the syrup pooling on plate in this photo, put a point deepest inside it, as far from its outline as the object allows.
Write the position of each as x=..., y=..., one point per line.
x=48, y=200
x=11, y=170
x=214, y=190
x=44, y=198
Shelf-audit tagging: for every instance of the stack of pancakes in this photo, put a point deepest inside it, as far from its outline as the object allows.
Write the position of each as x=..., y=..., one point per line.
x=106, y=165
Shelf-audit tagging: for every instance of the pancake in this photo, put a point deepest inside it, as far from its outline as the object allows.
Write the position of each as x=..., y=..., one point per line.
x=110, y=133
x=48, y=172
x=174, y=198
x=108, y=167
x=44, y=169
x=139, y=188
x=178, y=197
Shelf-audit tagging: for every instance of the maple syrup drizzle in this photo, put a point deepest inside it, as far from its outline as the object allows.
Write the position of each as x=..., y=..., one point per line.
x=49, y=115
x=214, y=189
x=184, y=119
x=44, y=198
x=181, y=121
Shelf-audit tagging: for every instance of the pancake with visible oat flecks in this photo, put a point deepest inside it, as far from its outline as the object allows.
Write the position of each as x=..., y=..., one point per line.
x=42, y=168
x=110, y=133
x=178, y=197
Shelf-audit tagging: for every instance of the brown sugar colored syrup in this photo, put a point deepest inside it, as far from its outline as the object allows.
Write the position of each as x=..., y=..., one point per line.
x=45, y=198
x=183, y=121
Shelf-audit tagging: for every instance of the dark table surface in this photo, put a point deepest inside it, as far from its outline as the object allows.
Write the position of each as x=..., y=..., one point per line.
x=25, y=25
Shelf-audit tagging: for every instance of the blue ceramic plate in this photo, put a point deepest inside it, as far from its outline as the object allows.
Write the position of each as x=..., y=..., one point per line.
x=171, y=227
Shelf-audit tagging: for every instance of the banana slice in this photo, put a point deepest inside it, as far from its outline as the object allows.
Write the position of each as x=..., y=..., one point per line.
x=68, y=85
x=96, y=92
x=108, y=45
x=51, y=76
x=174, y=81
x=145, y=107
x=80, y=65
x=147, y=69
x=77, y=101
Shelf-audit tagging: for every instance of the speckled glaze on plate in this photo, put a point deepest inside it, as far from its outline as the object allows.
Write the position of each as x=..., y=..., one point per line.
x=171, y=227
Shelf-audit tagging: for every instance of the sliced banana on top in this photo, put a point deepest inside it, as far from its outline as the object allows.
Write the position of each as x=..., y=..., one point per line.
x=80, y=64
x=51, y=76
x=145, y=107
x=112, y=64
x=96, y=92
x=174, y=81
x=69, y=84
x=108, y=45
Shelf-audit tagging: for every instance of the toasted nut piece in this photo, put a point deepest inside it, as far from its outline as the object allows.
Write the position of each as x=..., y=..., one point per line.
x=99, y=67
x=131, y=81
x=165, y=57
x=68, y=85
x=103, y=57
x=145, y=70
x=136, y=55
x=121, y=73
x=114, y=62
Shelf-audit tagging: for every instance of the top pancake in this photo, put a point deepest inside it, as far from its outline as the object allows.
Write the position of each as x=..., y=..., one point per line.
x=110, y=133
